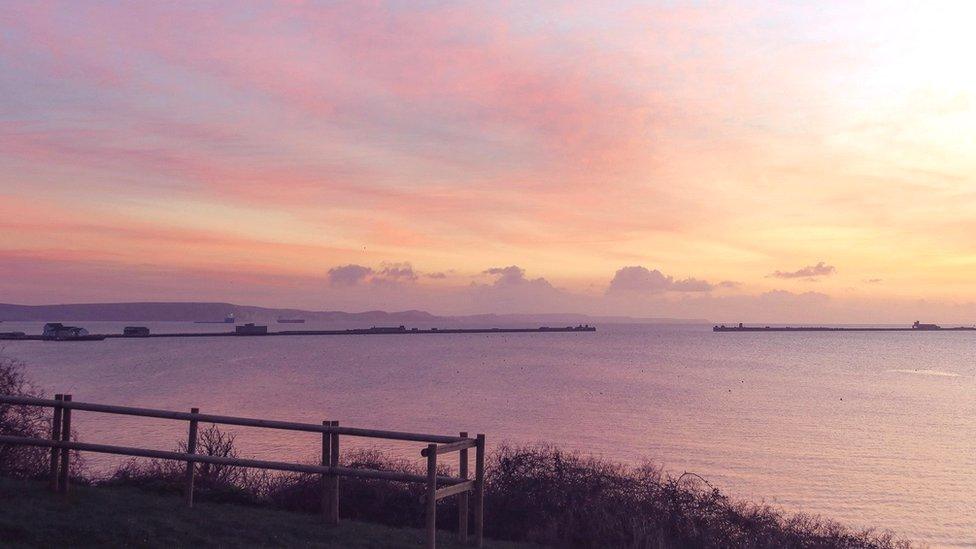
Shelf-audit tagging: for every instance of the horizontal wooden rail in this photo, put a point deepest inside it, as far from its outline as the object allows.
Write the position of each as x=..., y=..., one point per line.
x=230, y=420
x=452, y=447
x=459, y=488
x=220, y=460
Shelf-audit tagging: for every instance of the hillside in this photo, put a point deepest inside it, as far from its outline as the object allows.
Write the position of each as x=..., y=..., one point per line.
x=124, y=517
x=212, y=311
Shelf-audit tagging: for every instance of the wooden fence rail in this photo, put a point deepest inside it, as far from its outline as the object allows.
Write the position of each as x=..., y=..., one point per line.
x=329, y=468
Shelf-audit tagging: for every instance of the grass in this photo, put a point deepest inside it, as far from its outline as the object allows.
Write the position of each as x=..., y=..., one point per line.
x=31, y=516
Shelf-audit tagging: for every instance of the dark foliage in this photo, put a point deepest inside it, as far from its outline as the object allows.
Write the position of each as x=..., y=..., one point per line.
x=22, y=421
x=361, y=499
x=544, y=495
x=563, y=499
x=217, y=483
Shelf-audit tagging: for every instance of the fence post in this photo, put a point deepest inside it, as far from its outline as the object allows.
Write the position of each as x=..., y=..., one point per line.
x=55, y=436
x=334, y=477
x=191, y=448
x=431, y=496
x=63, y=474
x=463, y=497
x=479, y=491
x=324, y=481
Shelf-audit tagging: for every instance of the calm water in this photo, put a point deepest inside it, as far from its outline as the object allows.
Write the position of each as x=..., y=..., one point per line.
x=873, y=429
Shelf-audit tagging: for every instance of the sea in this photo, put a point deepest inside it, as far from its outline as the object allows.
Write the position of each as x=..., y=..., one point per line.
x=873, y=429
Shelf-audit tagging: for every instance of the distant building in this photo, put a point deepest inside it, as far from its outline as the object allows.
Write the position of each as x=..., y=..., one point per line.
x=56, y=330
x=51, y=328
x=135, y=331
x=251, y=329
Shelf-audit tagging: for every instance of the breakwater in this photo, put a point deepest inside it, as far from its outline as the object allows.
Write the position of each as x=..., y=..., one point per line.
x=399, y=330
x=834, y=329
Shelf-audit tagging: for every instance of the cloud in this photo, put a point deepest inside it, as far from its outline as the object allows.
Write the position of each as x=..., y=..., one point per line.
x=504, y=270
x=396, y=272
x=873, y=280
x=514, y=276
x=639, y=279
x=691, y=285
x=731, y=284
x=389, y=273
x=348, y=275
x=820, y=269
x=643, y=280
x=513, y=291
x=436, y=276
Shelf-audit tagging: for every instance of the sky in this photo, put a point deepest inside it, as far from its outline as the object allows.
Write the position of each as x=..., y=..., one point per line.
x=736, y=161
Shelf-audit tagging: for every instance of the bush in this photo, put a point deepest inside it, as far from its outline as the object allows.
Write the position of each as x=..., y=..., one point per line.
x=545, y=495
x=563, y=499
x=212, y=482
x=391, y=503
x=23, y=421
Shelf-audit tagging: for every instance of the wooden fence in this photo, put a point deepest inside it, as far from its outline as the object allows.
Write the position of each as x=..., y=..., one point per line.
x=438, y=486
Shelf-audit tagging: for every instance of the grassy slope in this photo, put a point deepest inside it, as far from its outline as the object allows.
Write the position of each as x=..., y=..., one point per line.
x=30, y=516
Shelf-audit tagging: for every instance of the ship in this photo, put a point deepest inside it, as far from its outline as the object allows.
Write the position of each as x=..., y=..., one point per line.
x=291, y=321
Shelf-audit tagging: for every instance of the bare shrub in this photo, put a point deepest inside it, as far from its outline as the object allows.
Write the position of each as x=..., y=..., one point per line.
x=23, y=421
x=559, y=498
x=212, y=482
x=540, y=494
x=392, y=503
x=214, y=442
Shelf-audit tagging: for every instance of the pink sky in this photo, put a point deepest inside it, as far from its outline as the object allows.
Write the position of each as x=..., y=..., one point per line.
x=762, y=160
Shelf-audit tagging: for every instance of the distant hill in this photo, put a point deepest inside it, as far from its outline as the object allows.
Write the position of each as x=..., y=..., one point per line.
x=193, y=311
x=190, y=311
x=571, y=318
